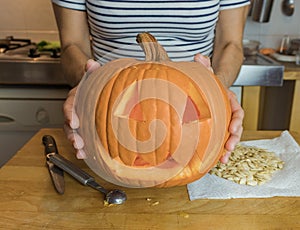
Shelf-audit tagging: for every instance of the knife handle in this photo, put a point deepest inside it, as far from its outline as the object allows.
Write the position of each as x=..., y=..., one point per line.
x=50, y=144
x=70, y=168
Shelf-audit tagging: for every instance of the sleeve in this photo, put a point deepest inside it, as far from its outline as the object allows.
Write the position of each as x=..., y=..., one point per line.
x=229, y=4
x=71, y=4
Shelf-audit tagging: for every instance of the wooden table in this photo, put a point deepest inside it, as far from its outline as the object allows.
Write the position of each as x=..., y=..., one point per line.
x=29, y=201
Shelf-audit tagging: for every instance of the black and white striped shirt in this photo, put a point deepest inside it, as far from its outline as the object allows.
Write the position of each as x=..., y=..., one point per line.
x=183, y=28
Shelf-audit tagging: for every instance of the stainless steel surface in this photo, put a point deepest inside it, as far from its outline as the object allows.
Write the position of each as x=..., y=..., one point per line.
x=24, y=110
x=20, y=72
x=256, y=70
x=29, y=108
x=259, y=70
x=251, y=47
x=70, y=168
x=32, y=93
x=288, y=7
x=285, y=45
x=295, y=46
x=116, y=196
x=261, y=10
x=11, y=43
x=112, y=197
x=20, y=66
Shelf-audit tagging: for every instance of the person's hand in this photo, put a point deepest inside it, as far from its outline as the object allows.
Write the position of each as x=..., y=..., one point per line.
x=203, y=60
x=71, y=118
x=235, y=127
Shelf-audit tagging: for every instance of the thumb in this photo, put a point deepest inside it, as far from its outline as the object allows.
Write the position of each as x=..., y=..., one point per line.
x=91, y=65
x=204, y=60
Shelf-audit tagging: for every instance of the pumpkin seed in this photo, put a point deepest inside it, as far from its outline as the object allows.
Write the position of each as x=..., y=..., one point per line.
x=249, y=165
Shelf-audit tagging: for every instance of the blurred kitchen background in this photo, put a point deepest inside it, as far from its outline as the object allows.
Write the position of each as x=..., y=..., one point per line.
x=266, y=107
x=34, y=19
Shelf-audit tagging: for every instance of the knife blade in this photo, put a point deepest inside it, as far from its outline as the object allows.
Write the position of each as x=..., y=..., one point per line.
x=56, y=173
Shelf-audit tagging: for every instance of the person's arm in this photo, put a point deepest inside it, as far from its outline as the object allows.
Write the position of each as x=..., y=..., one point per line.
x=75, y=42
x=226, y=63
x=76, y=59
x=228, y=48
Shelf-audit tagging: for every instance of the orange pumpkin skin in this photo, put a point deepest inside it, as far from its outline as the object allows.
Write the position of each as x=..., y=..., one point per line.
x=180, y=106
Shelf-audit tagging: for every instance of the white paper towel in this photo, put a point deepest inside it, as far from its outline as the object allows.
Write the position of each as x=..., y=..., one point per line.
x=285, y=182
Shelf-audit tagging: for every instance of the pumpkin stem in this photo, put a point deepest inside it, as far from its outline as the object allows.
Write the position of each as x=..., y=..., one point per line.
x=152, y=49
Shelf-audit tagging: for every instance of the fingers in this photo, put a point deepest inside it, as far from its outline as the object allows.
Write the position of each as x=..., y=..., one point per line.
x=71, y=117
x=76, y=140
x=91, y=65
x=235, y=126
x=236, y=123
x=225, y=158
x=74, y=137
x=72, y=123
x=231, y=142
x=80, y=154
x=234, y=139
x=203, y=60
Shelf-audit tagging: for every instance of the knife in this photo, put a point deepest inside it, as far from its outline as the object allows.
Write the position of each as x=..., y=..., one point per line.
x=57, y=164
x=56, y=173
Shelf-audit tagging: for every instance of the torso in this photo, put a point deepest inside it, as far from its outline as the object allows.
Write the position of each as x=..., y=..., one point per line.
x=184, y=28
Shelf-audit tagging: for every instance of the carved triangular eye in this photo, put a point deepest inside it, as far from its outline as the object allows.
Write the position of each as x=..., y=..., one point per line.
x=139, y=161
x=130, y=107
x=191, y=113
x=137, y=113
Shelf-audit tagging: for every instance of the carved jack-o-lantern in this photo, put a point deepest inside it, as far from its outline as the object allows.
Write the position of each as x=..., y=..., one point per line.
x=153, y=122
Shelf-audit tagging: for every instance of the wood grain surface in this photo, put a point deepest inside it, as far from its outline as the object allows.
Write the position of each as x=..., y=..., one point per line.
x=29, y=201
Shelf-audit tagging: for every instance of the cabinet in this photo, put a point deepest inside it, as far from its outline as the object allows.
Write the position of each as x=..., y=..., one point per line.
x=251, y=100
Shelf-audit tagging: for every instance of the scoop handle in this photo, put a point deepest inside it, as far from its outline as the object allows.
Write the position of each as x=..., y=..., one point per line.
x=70, y=168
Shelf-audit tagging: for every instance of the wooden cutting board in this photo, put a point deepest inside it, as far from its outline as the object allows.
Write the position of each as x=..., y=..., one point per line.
x=29, y=201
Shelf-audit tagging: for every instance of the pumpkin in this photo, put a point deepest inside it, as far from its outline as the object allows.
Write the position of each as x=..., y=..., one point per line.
x=152, y=122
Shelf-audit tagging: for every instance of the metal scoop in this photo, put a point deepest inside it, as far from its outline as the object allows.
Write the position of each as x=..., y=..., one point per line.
x=115, y=196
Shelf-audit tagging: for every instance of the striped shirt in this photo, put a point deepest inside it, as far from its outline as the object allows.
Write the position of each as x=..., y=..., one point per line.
x=183, y=28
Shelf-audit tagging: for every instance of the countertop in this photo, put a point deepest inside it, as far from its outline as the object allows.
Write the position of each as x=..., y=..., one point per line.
x=292, y=71
x=29, y=201
x=257, y=70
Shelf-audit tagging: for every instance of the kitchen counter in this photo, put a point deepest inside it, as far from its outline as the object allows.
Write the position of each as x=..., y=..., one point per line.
x=260, y=70
x=292, y=71
x=256, y=70
x=29, y=201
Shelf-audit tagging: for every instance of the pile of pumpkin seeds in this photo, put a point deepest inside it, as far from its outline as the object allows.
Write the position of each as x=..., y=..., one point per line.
x=249, y=166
